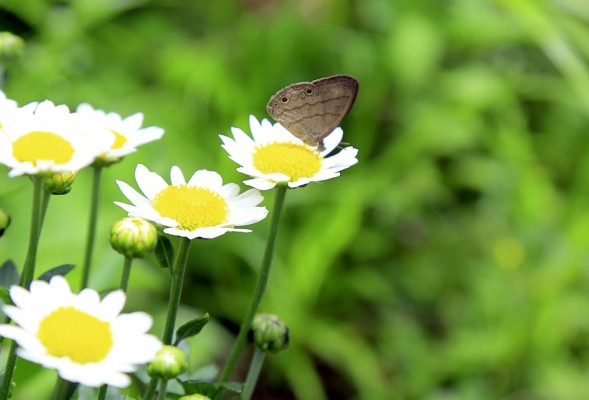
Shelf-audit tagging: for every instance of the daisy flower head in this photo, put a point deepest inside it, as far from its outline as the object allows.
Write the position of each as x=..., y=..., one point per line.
x=202, y=207
x=274, y=156
x=128, y=131
x=87, y=340
x=44, y=138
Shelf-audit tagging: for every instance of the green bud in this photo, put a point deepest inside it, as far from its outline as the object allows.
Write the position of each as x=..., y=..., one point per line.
x=269, y=333
x=133, y=237
x=59, y=183
x=11, y=46
x=194, y=397
x=169, y=362
x=4, y=221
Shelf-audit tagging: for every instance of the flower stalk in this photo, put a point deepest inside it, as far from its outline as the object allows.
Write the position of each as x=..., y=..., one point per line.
x=178, y=271
x=260, y=285
x=126, y=274
x=96, y=176
x=253, y=374
x=40, y=203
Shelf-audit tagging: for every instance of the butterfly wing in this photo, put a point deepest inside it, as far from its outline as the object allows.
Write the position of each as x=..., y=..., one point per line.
x=312, y=110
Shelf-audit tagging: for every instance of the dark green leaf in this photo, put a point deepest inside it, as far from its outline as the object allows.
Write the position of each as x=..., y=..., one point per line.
x=191, y=328
x=8, y=274
x=62, y=270
x=70, y=389
x=211, y=389
x=164, y=252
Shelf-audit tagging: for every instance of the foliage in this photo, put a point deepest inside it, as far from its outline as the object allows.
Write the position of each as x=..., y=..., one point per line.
x=450, y=263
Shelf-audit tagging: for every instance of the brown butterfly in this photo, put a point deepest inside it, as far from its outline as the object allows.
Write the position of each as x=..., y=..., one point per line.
x=312, y=110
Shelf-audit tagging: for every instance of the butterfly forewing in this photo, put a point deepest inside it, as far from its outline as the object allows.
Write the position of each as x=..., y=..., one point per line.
x=338, y=93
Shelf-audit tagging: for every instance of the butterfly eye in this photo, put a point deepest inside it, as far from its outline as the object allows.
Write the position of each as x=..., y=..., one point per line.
x=284, y=99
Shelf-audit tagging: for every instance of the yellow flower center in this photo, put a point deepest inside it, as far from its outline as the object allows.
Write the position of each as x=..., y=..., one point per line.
x=42, y=146
x=81, y=337
x=120, y=140
x=193, y=207
x=293, y=160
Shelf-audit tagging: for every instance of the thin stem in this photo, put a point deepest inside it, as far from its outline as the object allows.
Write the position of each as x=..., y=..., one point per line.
x=178, y=270
x=45, y=197
x=38, y=213
x=163, y=390
x=260, y=286
x=102, y=392
x=253, y=374
x=150, y=391
x=97, y=172
x=126, y=274
x=176, y=288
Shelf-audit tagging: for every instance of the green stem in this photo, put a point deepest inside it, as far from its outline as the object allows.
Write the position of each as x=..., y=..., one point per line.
x=253, y=374
x=45, y=197
x=38, y=213
x=102, y=392
x=97, y=172
x=178, y=272
x=260, y=286
x=39, y=205
x=163, y=390
x=126, y=274
x=59, y=389
x=149, y=392
x=176, y=288
x=123, y=286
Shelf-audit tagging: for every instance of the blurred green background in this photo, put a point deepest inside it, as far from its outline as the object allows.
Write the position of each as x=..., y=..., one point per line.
x=450, y=263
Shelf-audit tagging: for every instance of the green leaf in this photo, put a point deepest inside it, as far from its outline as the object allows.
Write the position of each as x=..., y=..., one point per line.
x=191, y=328
x=5, y=295
x=8, y=274
x=164, y=252
x=70, y=388
x=62, y=270
x=211, y=389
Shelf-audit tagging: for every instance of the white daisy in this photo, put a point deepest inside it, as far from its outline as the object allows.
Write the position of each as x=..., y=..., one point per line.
x=275, y=156
x=85, y=339
x=44, y=138
x=128, y=131
x=202, y=207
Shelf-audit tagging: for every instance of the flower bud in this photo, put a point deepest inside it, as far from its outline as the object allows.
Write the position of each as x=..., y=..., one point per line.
x=4, y=221
x=194, y=397
x=59, y=183
x=269, y=333
x=169, y=362
x=133, y=237
x=11, y=46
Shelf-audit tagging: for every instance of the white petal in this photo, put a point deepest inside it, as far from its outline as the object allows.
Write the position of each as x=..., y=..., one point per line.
x=260, y=183
x=176, y=176
x=134, y=196
x=113, y=303
x=229, y=190
x=149, y=182
x=206, y=179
